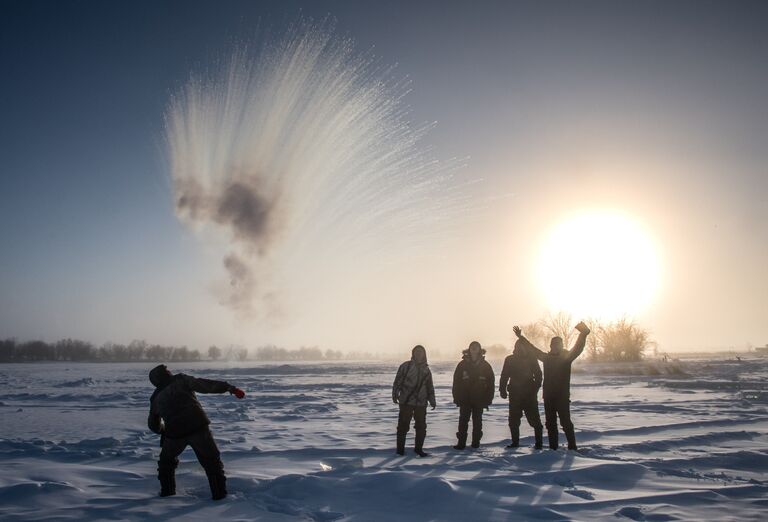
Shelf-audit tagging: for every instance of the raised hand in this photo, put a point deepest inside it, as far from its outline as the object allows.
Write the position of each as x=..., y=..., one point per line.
x=582, y=328
x=517, y=330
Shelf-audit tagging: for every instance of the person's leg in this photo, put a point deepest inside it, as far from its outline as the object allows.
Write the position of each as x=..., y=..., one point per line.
x=166, y=464
x=209, y=457
x=465, y=412
x=403, y=426
x=564, y=412
x=420, y=416
x=515, y=413
x=550, y=418
x=534, y=419
x=477, y=425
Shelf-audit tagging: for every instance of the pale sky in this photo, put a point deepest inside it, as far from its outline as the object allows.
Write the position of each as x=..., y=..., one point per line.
x=655, y=110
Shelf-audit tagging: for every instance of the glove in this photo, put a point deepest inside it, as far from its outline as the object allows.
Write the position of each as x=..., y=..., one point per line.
x=237, y=392
x=503, y=394
x=433, y=405
x=395, y=400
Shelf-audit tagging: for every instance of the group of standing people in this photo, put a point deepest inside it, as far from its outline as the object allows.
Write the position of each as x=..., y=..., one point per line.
x=474, y=388
x=177, y=416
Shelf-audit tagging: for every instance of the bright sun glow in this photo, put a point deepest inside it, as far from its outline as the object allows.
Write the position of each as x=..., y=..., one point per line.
x=599, y=264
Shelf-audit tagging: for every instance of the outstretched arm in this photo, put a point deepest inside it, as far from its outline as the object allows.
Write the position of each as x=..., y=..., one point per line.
x=200, y=385
x=528, y=344
x=581, y=342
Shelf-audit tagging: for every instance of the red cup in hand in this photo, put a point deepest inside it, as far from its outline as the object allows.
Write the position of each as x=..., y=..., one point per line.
x=237, y=392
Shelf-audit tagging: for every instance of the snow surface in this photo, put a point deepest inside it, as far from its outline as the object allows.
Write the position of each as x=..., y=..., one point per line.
x=676, y=441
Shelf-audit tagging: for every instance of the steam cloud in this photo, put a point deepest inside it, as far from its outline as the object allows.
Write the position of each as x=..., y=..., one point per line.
x=299, y=152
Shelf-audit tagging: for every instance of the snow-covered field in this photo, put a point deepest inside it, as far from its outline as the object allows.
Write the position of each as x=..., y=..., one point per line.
x=316, y=442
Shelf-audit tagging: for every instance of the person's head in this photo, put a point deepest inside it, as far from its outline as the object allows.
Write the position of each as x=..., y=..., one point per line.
x=419, y=354
x=160, y=375
x=519, y=348
x=475, y=350
x=556, y=345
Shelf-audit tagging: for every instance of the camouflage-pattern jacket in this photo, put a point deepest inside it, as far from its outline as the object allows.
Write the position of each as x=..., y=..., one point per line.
x=413, y=385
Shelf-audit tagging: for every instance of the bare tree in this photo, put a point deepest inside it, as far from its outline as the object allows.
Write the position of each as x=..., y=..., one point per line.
x=214, y=352
x=558, y=325
x=537, y=334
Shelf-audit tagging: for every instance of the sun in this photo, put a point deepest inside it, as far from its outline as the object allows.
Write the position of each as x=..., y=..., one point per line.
x=599, y=263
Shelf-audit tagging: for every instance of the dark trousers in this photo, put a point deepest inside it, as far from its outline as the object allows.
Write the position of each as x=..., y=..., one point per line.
x=465, y=412
x=523, y=405
x=205, y=449
x=419, y=414
x=554, y=407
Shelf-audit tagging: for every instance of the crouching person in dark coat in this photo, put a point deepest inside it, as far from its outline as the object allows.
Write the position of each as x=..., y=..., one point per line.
x=178, y=417
x=521, y=380
x=473, y=390
x=413, y=389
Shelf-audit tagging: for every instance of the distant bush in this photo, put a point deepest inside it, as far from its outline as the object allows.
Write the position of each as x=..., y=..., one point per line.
x=622, y=340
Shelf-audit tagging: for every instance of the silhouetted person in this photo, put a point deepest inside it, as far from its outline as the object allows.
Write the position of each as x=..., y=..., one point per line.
x=473, y=390
x=178, y=417
x=413, y=389
x=521, y=380
x=557, y=383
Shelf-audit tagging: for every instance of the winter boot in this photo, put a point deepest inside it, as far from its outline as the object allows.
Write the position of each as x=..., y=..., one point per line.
x=419, y=446
x=218, y=485
x=571, y=437
x=462, y=443
x=167, y=478
x=476, y=439
x=400, y=444
x=552, y=436
x=515, y=433
x=539, y=438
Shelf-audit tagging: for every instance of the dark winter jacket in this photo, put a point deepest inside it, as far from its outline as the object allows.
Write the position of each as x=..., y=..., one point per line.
x=557, y=368
x=520, y=376
x=413, y=385
x=473, y=382
x=174, y=409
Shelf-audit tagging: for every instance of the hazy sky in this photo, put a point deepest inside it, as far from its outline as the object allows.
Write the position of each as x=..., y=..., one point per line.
x=656, y=109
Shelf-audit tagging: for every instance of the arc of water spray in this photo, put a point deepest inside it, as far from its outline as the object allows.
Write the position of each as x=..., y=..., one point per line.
x=300, y=150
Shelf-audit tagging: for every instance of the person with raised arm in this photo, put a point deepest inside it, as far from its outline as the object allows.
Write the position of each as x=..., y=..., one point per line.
x=557, y=382
x=521, y=380
x=412, y=390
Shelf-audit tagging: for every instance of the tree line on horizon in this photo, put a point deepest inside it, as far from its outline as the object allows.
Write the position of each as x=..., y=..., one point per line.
x=618, y=341
x=75, y=350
